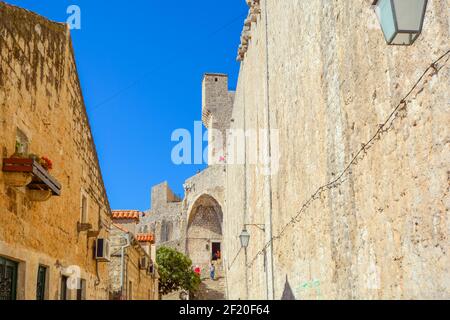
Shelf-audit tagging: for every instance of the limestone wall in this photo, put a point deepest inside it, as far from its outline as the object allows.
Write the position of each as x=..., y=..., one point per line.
x=144, y=285
x=328, y=79
x=41, y=96
x=217, y=106
x=165, y=218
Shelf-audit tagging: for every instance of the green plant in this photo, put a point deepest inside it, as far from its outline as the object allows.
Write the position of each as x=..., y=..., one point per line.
x=175, y=272
x=19, y=147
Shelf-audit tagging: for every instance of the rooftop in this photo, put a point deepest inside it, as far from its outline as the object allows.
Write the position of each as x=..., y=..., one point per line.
x=126, y=214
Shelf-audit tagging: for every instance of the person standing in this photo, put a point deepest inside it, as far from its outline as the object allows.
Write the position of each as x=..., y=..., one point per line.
x=212, y=271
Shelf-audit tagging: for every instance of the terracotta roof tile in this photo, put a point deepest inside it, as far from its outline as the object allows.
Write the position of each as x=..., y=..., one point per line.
x=148, y=237
x=126, y=214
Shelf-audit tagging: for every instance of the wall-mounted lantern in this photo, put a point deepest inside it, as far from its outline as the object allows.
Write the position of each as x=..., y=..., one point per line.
x=401, y=20
x=245, y=238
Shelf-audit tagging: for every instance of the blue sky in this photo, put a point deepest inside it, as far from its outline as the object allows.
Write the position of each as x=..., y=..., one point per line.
x=140, y=64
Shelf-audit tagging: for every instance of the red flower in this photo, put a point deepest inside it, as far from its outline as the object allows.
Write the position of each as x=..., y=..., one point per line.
x=46, y=163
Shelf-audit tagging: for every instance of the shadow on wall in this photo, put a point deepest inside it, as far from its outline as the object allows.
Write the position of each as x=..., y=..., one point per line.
x=288, y=294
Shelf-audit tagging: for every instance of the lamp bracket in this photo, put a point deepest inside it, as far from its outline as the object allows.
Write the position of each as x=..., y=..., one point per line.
x=260, y=226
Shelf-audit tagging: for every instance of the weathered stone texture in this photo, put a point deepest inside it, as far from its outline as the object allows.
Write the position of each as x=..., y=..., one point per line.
x=329, y=80
x=217, y=105
x=144, y=285
x=165, y=218
x=40, y=94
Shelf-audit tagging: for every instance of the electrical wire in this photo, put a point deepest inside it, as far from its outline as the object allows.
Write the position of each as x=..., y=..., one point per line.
x=362, y=152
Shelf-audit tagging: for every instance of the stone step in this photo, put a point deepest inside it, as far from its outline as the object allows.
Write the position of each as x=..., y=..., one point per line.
x=212, y=289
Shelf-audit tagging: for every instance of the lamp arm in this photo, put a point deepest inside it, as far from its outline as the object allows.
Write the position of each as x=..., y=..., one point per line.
x=260, y=226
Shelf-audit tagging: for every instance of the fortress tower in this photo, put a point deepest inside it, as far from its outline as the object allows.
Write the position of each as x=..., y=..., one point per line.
x=217, y=106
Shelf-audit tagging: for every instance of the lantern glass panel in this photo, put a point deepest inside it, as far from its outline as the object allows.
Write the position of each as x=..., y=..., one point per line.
x=385, y=15
x=245, y=238
x=409, y=14
x=403, y=38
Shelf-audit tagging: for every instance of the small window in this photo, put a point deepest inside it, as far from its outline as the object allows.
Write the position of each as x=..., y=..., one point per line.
x=21, y=143
x=63, y=289
x=84, y=209
x=81, y=291
x=41, y=283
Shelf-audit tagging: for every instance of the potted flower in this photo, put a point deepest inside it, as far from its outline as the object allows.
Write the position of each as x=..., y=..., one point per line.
x=20, y=151
x=46, y=163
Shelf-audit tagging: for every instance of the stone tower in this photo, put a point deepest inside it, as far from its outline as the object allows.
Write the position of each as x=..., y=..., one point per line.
x=217, y=105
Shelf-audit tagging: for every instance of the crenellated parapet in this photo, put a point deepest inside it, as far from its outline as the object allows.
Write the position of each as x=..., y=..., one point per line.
x=254, y=13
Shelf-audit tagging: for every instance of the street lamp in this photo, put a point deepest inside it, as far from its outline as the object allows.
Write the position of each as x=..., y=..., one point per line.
x=245, y=238
x=401, y=20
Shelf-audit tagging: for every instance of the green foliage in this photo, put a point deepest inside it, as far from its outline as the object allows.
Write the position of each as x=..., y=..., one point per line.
x=175, y=272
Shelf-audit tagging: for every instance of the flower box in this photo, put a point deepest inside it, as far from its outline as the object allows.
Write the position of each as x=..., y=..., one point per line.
x=17, y=169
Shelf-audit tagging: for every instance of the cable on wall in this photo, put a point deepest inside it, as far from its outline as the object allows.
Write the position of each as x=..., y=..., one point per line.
x=360, y=155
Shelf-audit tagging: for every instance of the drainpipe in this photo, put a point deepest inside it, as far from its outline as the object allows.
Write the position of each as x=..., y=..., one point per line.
x=247, y=297
x=268, y=254
x=122, y=263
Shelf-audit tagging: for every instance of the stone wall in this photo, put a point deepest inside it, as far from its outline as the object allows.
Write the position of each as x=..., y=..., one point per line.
x=165, y=218
x=321, y=74
x=144, y=285
x=191, y=225
x=40, y=95
x=204, y=207
x=217, y=105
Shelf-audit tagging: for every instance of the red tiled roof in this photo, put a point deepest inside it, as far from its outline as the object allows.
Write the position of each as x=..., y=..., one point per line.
x=126, y=214
x=148, y=237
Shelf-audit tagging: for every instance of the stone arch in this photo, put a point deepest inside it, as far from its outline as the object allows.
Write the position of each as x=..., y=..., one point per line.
x=204, y=229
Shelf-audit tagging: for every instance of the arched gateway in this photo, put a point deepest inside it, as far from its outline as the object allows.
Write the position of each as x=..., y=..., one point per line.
x=204, y=232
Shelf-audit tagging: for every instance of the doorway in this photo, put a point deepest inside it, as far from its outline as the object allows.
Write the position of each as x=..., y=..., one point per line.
x=216, y=252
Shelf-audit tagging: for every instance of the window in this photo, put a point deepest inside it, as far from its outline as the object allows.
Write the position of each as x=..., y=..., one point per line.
x=41, y=283
x=8, y=279
x=84, y=209
x=21, y=143
x=64, y=292
x=81, y=291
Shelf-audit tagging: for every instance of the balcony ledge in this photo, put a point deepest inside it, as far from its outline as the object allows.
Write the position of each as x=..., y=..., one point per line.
x=28, y=172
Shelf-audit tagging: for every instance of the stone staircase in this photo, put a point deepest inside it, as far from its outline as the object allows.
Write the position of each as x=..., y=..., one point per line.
x=212, y=289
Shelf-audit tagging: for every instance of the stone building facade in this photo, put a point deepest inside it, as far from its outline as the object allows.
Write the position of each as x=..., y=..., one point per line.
x=165, y=219
x=343, y=219
x=133, y=271
x=45, y=240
